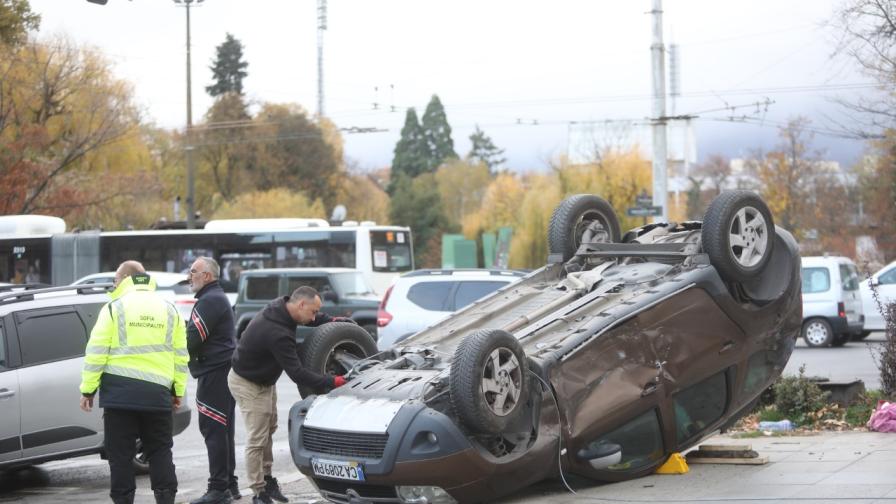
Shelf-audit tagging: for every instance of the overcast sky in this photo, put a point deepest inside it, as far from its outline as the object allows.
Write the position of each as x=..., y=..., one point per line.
x=527, y=72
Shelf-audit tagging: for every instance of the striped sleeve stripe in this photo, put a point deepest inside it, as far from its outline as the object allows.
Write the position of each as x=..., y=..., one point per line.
x=213, y=410
x=211, y=414
x=200, y=325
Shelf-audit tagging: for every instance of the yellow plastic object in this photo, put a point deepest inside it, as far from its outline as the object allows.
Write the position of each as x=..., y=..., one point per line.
x=675, y=464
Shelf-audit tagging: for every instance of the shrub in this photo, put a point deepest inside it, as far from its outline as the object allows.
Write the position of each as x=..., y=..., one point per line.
x=797, y=398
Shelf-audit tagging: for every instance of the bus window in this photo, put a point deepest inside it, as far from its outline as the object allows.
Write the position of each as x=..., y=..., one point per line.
x=391, y=250
x=24, y=261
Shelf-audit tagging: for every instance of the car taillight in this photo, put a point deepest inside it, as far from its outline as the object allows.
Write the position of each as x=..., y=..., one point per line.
x=382, y=316
x=841, y=310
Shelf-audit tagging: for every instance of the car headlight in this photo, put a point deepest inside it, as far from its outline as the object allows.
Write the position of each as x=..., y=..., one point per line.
x=424, y=495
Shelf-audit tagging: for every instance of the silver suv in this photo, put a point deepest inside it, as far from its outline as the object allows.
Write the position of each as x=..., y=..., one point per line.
x=43, y=333
x=420, y=298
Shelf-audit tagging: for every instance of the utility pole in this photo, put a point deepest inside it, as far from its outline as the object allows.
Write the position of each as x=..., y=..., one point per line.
x=321, y=27
x=659, y=113
x=188, y=136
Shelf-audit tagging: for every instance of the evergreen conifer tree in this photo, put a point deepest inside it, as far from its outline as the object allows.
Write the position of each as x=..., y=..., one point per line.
x=228, y=69
x=410, y=151
x=484, y=150
x=437, y=133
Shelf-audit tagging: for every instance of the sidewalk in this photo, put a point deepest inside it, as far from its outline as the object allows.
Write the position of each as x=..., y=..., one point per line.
x=858, y=467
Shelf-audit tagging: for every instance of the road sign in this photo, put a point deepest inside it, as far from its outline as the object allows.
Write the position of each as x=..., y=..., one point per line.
x=649, y=211
x=644, y=200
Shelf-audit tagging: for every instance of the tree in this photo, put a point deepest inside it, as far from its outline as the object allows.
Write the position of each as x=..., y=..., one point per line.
x=60, y=109
x=416, y=203
x=785, y=174
x=228, y=68
x=484, y=151
x=363, y=197
x=277, y=202
x=222, y=143
x=291, y=151
x=16, y=20
x=462, y=186
x=437, y=133
x=717, y=169
x=410, y=151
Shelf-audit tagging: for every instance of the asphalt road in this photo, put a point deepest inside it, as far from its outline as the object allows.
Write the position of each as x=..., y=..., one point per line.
x=86, y=479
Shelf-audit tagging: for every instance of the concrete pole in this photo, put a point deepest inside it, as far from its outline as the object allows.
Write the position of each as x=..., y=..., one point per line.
x=321, y=27
x=191, y=165
x=659, y=113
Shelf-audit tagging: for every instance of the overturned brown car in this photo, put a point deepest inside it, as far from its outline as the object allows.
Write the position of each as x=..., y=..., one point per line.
x=619, y=352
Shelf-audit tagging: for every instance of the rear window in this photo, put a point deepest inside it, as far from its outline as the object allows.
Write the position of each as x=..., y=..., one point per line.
x=264, y=288
x=50, y=334
x=816, y=280
x=849, y=277
x=467, y=292
x=431, y=295
x=319, y=283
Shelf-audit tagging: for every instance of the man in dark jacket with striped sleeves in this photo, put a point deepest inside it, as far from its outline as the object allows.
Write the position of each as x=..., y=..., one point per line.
x=211, y=338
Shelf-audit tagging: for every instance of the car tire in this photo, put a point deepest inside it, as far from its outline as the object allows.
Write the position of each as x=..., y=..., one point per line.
x=489, y=380
x=817, y=332
x=318, y=349
x=371, y=330
x=573, y=216
x=140, y=462
x=738, y=235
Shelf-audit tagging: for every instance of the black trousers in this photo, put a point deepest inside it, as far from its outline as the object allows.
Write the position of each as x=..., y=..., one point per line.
x=216, y=409
x=154, y=429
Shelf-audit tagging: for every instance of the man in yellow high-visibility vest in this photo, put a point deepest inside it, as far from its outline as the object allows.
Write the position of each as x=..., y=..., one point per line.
x=137, y=359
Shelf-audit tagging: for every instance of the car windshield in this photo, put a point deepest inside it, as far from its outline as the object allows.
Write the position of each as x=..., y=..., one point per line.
x=350, y=283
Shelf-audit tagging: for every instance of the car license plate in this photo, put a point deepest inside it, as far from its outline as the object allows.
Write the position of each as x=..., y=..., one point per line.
x=337, y=469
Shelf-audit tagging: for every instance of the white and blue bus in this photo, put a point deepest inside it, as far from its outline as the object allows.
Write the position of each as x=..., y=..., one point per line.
x=36, y=249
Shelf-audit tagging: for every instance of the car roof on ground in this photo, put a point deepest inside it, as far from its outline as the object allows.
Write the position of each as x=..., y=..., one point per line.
x=464, y=272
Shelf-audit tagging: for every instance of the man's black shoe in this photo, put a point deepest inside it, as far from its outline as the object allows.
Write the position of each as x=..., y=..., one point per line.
x=272, y=488
x=234, y=490
x=213, y=497
x=262, y=498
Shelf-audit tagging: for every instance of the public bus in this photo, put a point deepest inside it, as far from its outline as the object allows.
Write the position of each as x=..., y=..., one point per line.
x=36, y=249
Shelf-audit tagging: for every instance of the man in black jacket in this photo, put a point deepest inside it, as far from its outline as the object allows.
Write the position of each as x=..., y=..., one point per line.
x=266, y=349
x=211, y=338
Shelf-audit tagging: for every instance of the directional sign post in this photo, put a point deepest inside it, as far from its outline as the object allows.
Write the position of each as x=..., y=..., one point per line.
x=646, y=211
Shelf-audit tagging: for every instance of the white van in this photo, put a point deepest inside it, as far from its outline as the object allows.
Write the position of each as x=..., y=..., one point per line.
x=832, y=304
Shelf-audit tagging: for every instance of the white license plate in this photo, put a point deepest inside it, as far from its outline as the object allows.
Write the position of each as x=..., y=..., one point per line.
x=337, y=469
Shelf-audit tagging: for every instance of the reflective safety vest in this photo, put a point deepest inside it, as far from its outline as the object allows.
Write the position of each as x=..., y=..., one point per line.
x=137, y=335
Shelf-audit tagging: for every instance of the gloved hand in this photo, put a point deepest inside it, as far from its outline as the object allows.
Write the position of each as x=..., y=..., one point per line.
x=339, y=381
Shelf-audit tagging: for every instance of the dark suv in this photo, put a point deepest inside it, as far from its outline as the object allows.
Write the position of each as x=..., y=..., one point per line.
x=43, y=333
x=343, y=291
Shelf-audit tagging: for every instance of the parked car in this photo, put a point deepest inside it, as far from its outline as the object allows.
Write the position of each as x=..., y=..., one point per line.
x=343, y=291
x=832, y=305
x=419, y=298
x=173, y=286
x=44, y=333
x=884, y=281
x=621, y=351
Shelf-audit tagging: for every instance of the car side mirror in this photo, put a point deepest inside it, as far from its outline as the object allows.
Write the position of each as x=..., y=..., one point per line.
x=330, y=296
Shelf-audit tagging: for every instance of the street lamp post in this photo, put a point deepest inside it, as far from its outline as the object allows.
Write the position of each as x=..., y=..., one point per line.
x=188, y=141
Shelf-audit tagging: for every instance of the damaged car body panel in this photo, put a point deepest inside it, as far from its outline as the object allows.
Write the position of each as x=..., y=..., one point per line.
x=619, y=352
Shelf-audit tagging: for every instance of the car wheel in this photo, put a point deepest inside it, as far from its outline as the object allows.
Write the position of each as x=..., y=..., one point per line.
x=333, y=349
x=817, y=333
x=738, y=235
x=573, y=217
x=371, y=330
x=489, y=380
x=140, y=463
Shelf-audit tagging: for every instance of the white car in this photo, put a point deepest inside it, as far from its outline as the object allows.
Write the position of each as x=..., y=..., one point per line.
x=832, y=305
x=884, y=282
x=420, y=298
x=174, y=286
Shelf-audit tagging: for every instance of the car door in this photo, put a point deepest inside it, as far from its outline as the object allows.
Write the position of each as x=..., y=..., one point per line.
x=10, y=421
x=885, y=284
x=52, y=342
x=852, y=299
